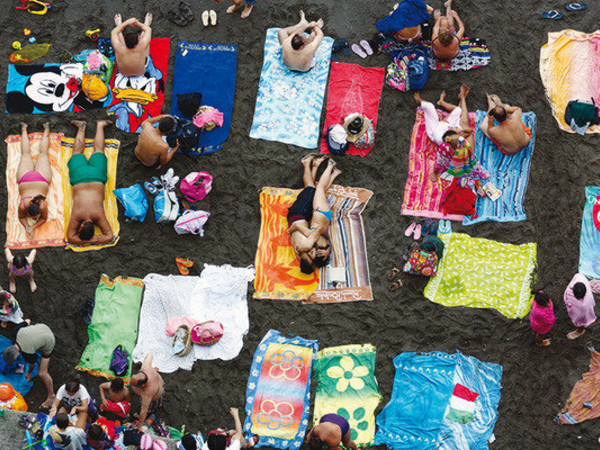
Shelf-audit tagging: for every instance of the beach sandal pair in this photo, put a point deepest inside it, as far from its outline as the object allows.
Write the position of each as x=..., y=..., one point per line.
x=429, y=228
x=27, y=421
x=363, y=50
x=395, y=283
x=444, y=227
x=209, y=15
x=182, y=17
x=154, y=186
x=555, y=14
x=87, y=309
x=341, y=45
x=415, y=230
x=184, y=264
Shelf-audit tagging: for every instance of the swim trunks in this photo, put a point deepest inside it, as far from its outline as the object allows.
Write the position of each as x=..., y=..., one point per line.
x=302, y=208
x=337, y=420
x=155, y=404
x=527, y=131
x=83, y=170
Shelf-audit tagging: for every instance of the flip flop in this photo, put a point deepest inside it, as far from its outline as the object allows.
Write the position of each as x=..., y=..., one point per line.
x=444, y=227
x=426, y=227
x=574, y=6
x=213, y=17
x=186, y=11
x=152, y=190
x=393, y=273
x=552, y=15
x=183, y=264
x=205, y=17
x=345, y=46
x=417, y=234
x=177, y=19
x=410, y=230
x=433, y=228
x=359, y=51
x=395, y=285
x=365, y=44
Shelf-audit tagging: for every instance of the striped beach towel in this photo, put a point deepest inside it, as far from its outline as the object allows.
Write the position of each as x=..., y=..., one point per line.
x=278, y=393
x=422, y=197
x=346, y=386
x=278, y=275
x=509, y=173
x=52, y=232
x=589, y=242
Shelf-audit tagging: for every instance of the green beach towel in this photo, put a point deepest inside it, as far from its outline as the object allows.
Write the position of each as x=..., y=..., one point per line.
x=346, y=386
x=481, y=273
x=114, y=322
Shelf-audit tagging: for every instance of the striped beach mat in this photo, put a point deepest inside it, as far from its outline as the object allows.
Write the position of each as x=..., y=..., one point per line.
x=278, y=275
x=278, y=393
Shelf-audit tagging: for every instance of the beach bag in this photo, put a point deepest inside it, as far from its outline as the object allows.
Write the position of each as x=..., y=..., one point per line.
x=422, y=261
x=120, y=361
x=207, y=333
x=431, y=242
x=582, y=112
x=182, y=343
x=459, y=200
x=196, y=185
x=188, y=104
x=166, y=206
x=396, y=75
x=191, y=222
x=134, y=201
x=417, y=59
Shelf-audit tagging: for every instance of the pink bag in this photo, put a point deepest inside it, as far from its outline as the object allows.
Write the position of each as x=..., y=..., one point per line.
x=196, y=185
x=191, y=222
x=207, y=333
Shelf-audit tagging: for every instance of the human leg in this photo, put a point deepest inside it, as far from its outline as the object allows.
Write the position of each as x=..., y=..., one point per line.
x=11, y=282
x=79, y=144
x=32, y=284
x=237, y=4
x=99, y=138
x=82, y=418
x=307, y=177
x=434, y=127
x=462, y=102
x=320, y=199
x=577, y=333
x=449, y=15
x=248, y=9
x=148, y=19
x=316, y=163
x=444, y=104
x=47, y=379
x=42, y=165
x=26, y=162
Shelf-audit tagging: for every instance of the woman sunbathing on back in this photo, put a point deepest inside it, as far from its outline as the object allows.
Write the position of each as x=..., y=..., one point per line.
x=34, y=182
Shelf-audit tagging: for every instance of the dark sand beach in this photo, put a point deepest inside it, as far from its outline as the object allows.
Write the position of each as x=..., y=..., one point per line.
x=536, y=381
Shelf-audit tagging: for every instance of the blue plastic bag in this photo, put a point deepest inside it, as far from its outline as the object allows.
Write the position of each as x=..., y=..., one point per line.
x=134, y=201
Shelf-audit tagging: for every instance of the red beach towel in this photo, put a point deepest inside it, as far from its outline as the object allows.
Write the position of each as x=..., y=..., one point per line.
x=352, y=88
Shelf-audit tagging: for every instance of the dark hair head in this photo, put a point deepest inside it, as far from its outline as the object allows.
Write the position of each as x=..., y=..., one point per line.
x=297, y=42
x=62, y=421
x=34, y=206
x=72, y=386
x=216, y=442
x=166, y=124
x=86, y=230
x=117, y=384
x=316, y=443
x=131, y=35
x=445, y=37
x=19, y=261
x=541, y=298
x=448, y=134
x=579, y=290
x=95, y=432
x=188, y=442
x=306, y=266
x=11, y=353
x=140, y=382
x=499, y=113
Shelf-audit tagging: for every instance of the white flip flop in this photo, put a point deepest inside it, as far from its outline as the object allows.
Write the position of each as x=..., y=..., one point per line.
x=205, y=18
x=365, y=44
x=213, y=17
x=359, y=51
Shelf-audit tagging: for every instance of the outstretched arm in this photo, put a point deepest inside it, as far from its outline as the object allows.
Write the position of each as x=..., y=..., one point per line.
x=143, y=411
x=165, y=158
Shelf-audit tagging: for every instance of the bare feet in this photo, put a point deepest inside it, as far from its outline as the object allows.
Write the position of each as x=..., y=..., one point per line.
x=103, y=123
x=308, y=158
x=319, y=159
x=575, y=334
x=79, y=123
x=331, y=163
x=320, y=23
x=12, y=286
x=246, y=12
x=32, y=285
x=418, y=98
x=543, y=343
x=23, y=126
x=148, y=19
x=46, y=126
x=233, y=8
x=464, y=91
x=302, y=16
x=442, y=99
x=48, y=402
x=118, y=19
x=496, y=100
x=335, y=173
x=448, y=4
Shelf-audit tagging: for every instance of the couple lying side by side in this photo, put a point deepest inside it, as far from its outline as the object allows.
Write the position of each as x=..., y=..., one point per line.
x=310, y=215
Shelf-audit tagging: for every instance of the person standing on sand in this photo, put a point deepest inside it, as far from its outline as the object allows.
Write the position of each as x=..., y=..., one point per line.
x=445, y=40
x=298, y=50
x=149, y=386
x=131, y=41
x=541, y=317
x=239, y=4
x=580, y=305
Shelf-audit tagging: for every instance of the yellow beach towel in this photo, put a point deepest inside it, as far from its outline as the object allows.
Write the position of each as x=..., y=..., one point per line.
x=52, y=232
x=111, y=150
x=570, y=70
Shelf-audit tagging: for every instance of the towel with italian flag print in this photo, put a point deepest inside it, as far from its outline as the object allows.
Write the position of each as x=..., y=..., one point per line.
x=462, y=404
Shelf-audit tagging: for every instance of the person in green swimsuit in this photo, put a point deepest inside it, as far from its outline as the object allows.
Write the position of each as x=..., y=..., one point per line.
x=88, y=177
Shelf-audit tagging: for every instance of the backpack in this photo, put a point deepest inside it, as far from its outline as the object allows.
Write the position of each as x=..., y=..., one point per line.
x=196, y=185
x=120, y=361
x=166, y=206
x=191, y=222
x=582, y=113
x=417, y=59
x=188, y=104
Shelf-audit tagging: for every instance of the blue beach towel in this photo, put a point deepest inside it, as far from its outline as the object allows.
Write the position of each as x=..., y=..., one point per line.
x=589, y=243
x=424, y=407
x=211, y=70
x=409, y=13
x=289, y=104
x=509, y=173
x=16, y=380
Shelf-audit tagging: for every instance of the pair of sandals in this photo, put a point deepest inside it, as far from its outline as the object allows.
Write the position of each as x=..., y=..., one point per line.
x=395, y=283
x=363, y=50
x=182, y=17
x=341, y=45
x=154, y=186
x=86, y=310
x=184, y=265
x=555, y=14
x=27, y=421
x=209, y=18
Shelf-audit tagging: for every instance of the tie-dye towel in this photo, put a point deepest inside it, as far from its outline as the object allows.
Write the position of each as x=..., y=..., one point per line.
x=481, y=273
x=352, y=89
x=48, y=88
x=111, y=150
x=211, y=70
x=509, y=173
x=278, y=275
x=589, y=242
x=422, y=197
x=440, y=401
x=586, y=390
x=570, y=70
x=346, y=386
x=278, y=393
x=288, y=107
x=52, y=232
x=139, y=98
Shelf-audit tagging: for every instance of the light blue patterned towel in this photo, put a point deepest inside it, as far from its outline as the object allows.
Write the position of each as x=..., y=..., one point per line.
x=289, y=104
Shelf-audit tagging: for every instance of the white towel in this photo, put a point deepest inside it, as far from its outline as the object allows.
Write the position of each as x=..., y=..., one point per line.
x=219, y=293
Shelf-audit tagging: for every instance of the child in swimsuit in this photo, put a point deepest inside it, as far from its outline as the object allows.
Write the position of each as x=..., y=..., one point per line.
x=10, y=311
x=20, y=265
